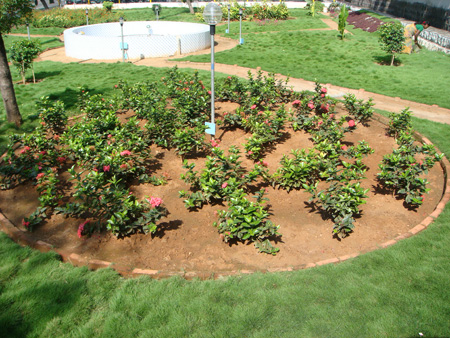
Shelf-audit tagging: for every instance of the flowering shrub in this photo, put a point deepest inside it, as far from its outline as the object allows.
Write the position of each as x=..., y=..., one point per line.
x=401, y=170
x=108, y=201
x=399, y=123
x=360, y=110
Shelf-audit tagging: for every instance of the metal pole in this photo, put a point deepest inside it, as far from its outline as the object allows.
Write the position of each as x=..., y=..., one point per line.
x=123, y=44
x=28, y=31
x=87, y=17
x=228, y=30
x=212, y=29
x=157, y=14
x=240, y=29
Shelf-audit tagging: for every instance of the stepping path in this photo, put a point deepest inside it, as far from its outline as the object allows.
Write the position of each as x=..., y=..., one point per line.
x=387, y=103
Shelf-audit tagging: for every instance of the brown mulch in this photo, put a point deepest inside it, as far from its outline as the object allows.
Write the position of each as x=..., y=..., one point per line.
x=364, y=21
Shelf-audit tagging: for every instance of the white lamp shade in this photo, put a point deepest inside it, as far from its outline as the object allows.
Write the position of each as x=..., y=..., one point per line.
x=212, y=13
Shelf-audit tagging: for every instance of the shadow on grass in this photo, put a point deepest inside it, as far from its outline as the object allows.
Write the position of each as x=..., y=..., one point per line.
x=385, y=60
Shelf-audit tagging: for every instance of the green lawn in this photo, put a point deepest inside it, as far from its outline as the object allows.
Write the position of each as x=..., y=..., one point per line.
x=395, y=292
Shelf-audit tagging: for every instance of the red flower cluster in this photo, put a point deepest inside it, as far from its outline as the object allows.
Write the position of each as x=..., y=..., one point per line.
x=155, y=201
x=80, y=231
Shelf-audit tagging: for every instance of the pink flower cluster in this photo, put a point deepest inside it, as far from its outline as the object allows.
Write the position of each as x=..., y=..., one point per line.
x=125, y=153
x=224, y=185
x=215, y=143
x=351, y=123
x=80, y=231
x=40, y=175
x=311, y=105
x=155, y=201
x=263, y=163
x=296, y=102
x=25, y=223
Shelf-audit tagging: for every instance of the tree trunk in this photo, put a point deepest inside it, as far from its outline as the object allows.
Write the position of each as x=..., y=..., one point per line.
x=7, y=88
x=44, y=4
x=191, y=9
x=392, y=60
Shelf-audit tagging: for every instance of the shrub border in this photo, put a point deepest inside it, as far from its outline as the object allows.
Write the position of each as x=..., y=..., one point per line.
x=24, y=239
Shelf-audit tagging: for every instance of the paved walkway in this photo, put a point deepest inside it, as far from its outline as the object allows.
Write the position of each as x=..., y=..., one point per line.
x=391, y=104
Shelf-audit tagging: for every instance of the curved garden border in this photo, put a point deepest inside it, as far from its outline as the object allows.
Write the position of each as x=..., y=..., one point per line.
x=25, y=239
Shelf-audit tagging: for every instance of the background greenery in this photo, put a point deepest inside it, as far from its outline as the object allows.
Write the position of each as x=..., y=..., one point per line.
x=395, y=292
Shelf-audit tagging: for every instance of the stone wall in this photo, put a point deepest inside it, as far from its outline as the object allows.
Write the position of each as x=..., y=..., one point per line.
x=437, y=12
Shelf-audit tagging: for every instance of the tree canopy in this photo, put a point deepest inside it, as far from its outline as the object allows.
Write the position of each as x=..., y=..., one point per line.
x=13, y=12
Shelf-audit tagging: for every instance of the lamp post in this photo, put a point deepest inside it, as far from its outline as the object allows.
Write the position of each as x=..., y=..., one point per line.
x=241, y=40
x=122, y=46
x=87, y=17
x=28, y=31
x=212, y=15
x=228, y=30
x=157, y=13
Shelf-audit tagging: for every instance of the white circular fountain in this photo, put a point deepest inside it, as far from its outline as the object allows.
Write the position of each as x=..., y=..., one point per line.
x=142, y=39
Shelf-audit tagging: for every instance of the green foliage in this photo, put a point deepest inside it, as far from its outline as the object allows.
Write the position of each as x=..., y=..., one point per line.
x=360, y=110
x=22, y=53
x=53, y=116
x=402, y=171
x=314, y=7
x=400, y=123
x=391, y=38
x=13, y=13
x=156, y=8
x=107, y=5
x=341, y=201
x=247, y=221
x=343, y=15
x=65, y=18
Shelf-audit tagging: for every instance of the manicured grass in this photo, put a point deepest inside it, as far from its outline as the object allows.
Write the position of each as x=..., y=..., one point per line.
x=395, y=292
x=352, y=63
x=166, y=14
x=38, y=31
x=46, y=42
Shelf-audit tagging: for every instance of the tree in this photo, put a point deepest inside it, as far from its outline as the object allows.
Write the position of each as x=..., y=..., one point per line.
x=189, y=3
x=12, y=12
x=22, y=53
x=391, y=38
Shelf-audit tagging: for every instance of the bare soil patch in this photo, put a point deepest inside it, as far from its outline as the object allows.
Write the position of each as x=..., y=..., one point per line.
x=189, y=242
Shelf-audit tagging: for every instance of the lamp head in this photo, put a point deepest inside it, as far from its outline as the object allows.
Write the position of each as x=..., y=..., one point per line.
x=241, y=11
x=121, y=21
x=212, y=14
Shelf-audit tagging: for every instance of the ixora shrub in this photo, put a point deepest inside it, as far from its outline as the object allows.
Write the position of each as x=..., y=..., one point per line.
x=402, y=171
x=105, y=154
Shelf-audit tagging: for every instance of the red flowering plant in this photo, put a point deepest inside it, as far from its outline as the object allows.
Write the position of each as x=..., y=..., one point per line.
x=52, y=115
x=402, y=171
x=27, y=156
x=106, y=145
x=361, y=111
x=266, y=127
x=231, y=89
x=112, y=205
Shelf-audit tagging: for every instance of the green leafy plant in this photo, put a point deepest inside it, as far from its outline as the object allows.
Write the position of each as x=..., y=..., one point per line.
x=360, y=110
x=22, y=53
x=391, y=38
x=343, y=15
x=108, y=5
x=247, y=221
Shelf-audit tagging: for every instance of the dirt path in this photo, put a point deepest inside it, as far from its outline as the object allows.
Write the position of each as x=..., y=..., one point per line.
x=387, y=103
